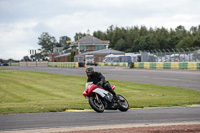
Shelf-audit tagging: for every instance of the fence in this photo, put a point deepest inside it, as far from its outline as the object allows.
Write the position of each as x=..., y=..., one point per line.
x=34, y=63
x=170, y=55
x=50, y=64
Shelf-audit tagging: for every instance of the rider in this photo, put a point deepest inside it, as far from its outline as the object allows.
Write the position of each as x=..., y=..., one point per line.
x=98, y=79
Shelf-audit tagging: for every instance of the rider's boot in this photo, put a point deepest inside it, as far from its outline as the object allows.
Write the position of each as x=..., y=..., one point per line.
x=115, y=96
x=109, y=88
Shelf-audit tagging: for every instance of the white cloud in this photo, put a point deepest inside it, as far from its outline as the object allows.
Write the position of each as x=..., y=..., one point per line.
x=79, y=22
x=16, y=39
x=22, y=22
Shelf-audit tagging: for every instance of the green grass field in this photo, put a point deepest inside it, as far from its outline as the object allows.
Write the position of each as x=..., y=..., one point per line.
x=25, y=92
x=4, y=68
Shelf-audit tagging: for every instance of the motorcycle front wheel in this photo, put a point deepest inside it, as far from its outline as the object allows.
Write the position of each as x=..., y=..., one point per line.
x=123, y=104
x=96, y=103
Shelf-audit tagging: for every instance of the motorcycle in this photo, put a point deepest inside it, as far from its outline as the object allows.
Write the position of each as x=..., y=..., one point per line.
x=100, y=99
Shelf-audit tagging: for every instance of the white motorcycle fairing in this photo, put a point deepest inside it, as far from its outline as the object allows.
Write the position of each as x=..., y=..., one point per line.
x=101, y=92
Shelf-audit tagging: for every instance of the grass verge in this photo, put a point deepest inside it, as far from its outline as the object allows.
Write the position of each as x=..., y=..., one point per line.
x=1, y=68
x=26, y=92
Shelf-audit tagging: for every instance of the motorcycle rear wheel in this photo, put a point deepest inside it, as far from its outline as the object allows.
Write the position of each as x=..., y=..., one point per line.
x=96, y=104
x=123, y=106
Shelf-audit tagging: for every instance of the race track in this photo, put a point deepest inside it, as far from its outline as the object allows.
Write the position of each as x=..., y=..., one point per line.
x=177, y=78
x=91, y=118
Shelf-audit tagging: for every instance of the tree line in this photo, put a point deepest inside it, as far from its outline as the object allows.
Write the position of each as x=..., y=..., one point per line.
x=133, y=39
x=130, y=39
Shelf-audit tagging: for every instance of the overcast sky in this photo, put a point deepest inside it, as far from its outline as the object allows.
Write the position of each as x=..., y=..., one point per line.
x=23, y=21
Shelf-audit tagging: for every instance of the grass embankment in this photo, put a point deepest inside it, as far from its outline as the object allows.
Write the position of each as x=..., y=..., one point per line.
x=23, y=92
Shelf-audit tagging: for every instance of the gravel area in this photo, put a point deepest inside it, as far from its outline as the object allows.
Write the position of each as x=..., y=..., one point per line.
x=159, y=129
x=190, y=127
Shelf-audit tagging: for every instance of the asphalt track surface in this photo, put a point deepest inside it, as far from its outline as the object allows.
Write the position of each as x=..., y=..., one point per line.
x=91, y=118
x=178, y=78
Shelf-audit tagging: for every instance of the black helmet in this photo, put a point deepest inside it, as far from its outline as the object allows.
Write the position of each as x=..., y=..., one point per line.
x=89, y=71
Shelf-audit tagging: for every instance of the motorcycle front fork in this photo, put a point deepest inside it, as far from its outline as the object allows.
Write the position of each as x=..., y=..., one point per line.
x=97, y=97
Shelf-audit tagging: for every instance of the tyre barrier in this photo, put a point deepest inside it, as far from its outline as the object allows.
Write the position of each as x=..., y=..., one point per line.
x=167, y=65
x=125, y=64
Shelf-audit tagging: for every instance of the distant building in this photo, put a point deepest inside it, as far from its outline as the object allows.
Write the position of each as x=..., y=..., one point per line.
x=62, y=58
x=99, y=55
x=88, y=45
x=56, y=52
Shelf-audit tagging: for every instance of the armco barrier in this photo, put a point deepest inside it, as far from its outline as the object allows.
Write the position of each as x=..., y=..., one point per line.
x=63, y=64
x=125, y=64
x=168, y=65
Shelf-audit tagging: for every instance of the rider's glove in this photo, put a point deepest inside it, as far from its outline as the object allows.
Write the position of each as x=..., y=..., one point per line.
x=100, y=83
